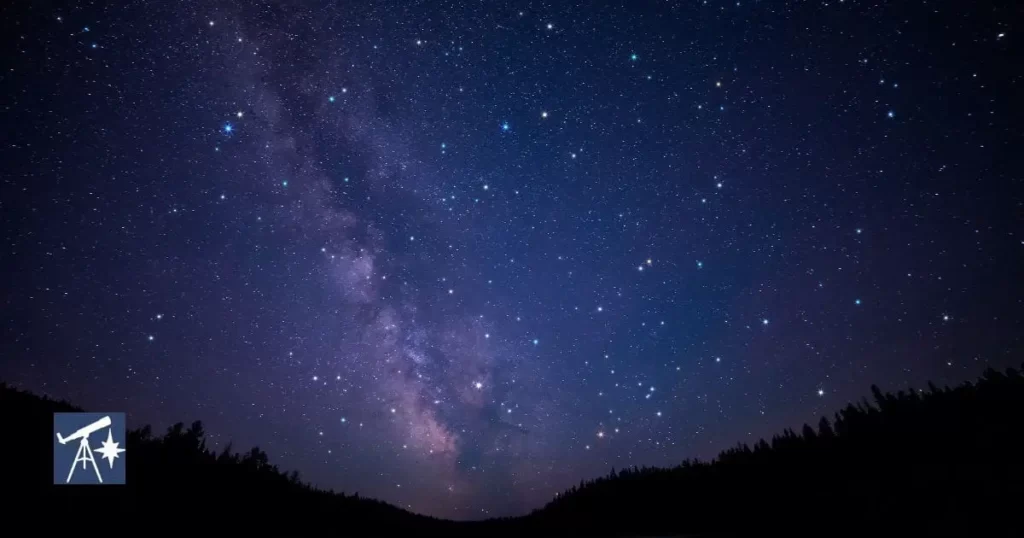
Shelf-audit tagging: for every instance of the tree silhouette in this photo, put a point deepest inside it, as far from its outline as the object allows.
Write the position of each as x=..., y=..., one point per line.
x=946, y=461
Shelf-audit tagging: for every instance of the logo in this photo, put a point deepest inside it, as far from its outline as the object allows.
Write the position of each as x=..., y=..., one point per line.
x=74, y=458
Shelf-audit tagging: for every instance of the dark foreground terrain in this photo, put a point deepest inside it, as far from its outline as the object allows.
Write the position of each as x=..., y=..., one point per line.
x=937, y=461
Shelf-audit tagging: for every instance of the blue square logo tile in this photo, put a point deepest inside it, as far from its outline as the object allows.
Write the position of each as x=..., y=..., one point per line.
x=88, y=448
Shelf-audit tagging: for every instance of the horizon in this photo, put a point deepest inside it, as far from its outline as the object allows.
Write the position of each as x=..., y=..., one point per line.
x=863, y=403
x=459, y=258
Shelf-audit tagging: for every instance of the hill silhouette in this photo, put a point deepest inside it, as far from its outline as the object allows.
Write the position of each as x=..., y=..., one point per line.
x=937, y=461
x=175, y=479
x=934, y=462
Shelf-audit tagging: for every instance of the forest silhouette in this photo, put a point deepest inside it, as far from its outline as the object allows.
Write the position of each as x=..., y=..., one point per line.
x=937, y=461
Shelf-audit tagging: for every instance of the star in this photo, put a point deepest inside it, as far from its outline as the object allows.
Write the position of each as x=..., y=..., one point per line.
x=110, y=449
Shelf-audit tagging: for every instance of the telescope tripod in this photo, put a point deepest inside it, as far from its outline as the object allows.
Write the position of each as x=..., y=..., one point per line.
x=84, y=455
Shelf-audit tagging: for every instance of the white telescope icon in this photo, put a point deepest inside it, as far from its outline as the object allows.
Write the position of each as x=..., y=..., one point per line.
x=85, y=431
x=84, y=454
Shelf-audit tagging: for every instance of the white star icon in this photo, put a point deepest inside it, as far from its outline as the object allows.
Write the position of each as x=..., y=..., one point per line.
x=110, y=449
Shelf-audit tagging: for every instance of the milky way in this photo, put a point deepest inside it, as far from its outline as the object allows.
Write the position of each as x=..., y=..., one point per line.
x=460, y=256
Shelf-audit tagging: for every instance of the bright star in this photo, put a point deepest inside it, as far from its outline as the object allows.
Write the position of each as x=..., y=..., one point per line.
x=857, y=302
x=228, y=128
x=110, y=449
x=543, y=114
x=331, y=98
x=632, y=57
x=478, y=385
x=239, y=114
x=535, y=341
x=504, y=126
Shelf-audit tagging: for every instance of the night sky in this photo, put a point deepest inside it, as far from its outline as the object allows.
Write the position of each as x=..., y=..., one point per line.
x=459, y=256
